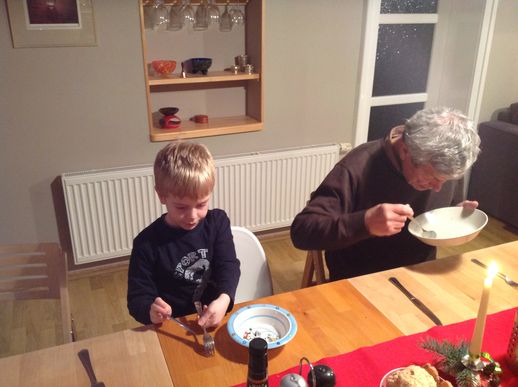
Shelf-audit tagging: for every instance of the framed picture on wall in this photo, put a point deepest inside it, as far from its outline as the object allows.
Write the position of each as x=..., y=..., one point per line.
x=51, y=23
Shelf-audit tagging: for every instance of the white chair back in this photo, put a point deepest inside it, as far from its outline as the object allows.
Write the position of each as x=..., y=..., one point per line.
x=255, y=281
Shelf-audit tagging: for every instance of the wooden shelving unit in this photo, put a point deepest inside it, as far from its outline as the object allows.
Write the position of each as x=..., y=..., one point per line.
x=215, y=76
x=216, y=126
x=251, y=118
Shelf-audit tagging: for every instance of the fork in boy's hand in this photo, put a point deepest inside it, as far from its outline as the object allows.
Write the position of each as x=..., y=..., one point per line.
x=208, y=341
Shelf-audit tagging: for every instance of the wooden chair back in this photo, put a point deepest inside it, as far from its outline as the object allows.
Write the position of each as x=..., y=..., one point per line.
x=314, y=267
x=36, y=271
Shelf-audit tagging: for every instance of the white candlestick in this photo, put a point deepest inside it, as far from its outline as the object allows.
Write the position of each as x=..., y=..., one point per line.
x=475, y=347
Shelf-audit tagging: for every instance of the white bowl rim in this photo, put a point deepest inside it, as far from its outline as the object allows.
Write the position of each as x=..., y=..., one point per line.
x=443, y=209
x=384, y=378
x=278, y=343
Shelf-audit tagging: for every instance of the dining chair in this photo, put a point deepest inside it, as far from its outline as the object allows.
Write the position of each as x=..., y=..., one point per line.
x=36, y=271
x=255, y=281
x=314, y=267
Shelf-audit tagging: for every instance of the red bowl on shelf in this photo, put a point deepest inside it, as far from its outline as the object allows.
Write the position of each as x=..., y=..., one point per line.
x=163, y=68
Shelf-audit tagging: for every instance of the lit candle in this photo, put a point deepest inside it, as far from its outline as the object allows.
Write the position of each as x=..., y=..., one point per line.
x=475, y=347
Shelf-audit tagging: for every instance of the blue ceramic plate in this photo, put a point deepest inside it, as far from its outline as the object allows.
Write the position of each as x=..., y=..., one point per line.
x=272, y=323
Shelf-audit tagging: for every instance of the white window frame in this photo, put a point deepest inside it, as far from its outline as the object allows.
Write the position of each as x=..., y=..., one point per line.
x=373, y=18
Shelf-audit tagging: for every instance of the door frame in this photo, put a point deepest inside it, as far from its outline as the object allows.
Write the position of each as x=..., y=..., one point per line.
x=373, y=19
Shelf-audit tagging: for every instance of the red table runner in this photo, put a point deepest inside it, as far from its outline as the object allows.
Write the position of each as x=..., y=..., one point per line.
x=366, y=366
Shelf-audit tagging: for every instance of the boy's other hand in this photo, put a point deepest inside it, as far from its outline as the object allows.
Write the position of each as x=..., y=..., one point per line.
x=159, y=311
x=214, y=313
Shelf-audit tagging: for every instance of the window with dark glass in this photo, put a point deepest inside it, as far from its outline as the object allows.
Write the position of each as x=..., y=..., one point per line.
x=384, y=118
x=409, y=6
x=402, y=63
x=402, y=58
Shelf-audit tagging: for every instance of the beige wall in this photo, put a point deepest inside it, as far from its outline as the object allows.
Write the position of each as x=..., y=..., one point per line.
x=501, y=86
x=76, y=108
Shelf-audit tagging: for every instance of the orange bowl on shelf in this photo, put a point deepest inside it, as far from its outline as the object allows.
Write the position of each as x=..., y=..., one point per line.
x=163, y=68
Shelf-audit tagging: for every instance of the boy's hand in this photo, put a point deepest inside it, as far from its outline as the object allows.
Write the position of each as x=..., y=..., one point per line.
x=214, y=313
x=159, y=311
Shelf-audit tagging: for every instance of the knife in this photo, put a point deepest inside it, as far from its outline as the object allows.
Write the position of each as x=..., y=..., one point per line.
x=422, y=307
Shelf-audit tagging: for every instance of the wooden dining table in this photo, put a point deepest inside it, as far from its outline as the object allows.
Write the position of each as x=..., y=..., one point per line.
x=332, y=319
x=451, y=287
x=127, y=358
x=341, y=316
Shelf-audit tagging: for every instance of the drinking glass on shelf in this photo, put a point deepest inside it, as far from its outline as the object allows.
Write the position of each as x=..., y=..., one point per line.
x=237, y=16
x=188, y=13
x=225, y=22
x=148, y=18
x=159, y=15
x=175, y=17
x=213, y=12
x=201, y=17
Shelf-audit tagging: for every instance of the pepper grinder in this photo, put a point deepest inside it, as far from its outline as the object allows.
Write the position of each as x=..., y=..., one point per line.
x=257, y=363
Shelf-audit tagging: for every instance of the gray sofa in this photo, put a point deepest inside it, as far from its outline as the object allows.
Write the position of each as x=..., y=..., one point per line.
x=494, y=177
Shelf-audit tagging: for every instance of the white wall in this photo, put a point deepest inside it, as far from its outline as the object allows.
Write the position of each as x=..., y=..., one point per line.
x=77, y=108
x=501, y=86
x=312, y=68
x=456, y=43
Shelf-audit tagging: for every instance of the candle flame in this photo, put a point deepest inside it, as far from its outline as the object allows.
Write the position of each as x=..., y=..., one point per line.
x=492, y=270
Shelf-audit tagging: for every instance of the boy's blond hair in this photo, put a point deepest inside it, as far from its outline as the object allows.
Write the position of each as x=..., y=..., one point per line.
x=184, y=169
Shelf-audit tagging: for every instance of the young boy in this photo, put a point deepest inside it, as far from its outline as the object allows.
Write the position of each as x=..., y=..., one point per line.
x=189, y=243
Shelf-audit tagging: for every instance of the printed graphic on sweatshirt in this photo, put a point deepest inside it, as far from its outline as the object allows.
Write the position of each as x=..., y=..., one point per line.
x=192, y=266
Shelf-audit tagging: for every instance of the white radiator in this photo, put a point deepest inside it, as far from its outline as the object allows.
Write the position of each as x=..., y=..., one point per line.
x=107, y=208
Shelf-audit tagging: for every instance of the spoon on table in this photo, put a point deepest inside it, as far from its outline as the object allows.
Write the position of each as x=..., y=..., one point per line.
x=426, y=233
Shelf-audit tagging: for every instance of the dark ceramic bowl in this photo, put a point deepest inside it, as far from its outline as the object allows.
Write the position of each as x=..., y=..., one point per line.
x=200, y=65
x=168, y=111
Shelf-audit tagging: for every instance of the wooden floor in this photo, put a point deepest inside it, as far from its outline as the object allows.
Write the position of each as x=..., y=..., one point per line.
x=98, y=297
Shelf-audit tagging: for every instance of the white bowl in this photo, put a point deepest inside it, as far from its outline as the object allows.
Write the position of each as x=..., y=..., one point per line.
x=272, y=323
x=453, y=225
x=383, y=382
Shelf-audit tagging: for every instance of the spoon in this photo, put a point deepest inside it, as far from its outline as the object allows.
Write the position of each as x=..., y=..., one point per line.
x=426, y=233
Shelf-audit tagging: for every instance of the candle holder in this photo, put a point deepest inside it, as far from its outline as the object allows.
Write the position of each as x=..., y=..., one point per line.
x=474, y=363
x=466, y=368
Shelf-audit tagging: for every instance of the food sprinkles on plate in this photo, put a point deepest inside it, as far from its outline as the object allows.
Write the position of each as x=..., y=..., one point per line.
x=266, y=333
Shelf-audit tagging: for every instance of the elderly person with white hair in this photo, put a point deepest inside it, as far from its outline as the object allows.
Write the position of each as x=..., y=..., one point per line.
x=359, y=213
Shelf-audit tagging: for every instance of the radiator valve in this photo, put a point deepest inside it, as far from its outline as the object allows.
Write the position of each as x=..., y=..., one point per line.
x=345, y=147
